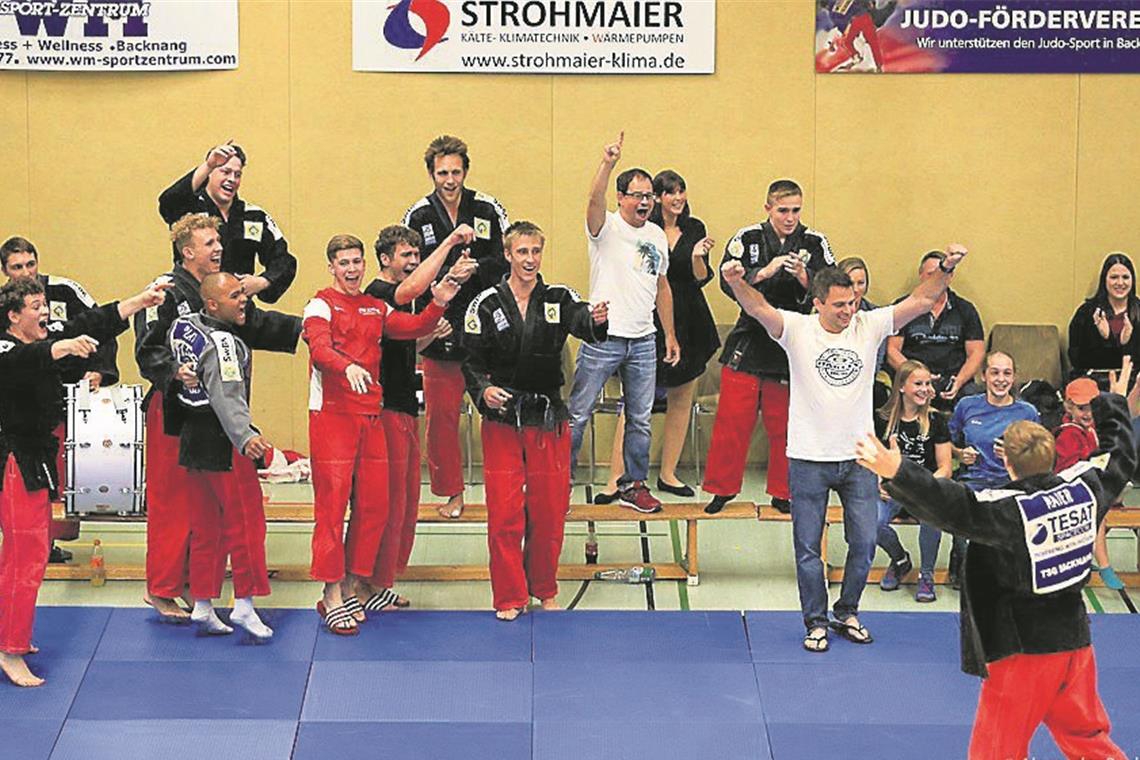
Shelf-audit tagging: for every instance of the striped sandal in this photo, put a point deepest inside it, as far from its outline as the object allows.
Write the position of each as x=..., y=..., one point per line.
x=378, y=601
x=338, y=620
x=352, y=604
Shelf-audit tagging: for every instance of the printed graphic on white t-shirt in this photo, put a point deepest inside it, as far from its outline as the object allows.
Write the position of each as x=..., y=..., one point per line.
x=839, y=366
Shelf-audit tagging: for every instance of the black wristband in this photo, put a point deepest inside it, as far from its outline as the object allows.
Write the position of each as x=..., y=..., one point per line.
x=942, y=266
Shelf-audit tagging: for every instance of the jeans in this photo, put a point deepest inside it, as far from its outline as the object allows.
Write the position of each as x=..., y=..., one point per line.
x=636, y=360
x=929, y=538
x=858, y=490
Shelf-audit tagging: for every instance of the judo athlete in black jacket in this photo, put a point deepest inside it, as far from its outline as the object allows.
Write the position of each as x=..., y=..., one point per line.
x=514, y=334
x=30, y=409
x=1024, y=625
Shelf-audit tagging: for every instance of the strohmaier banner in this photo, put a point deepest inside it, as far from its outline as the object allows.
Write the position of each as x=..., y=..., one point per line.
x=104, y=35
x=535, y=36
x=1015, y=36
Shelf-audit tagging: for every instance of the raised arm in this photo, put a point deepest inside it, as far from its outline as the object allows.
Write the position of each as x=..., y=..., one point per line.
x=752, y=300
x=921, y=299
x=424, y=275
x=596, y=208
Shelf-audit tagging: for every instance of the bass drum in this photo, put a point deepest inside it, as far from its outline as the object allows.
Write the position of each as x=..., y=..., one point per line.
x=104, y=451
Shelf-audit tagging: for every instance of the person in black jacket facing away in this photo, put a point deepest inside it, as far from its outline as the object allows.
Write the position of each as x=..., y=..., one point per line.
x=1024, y=625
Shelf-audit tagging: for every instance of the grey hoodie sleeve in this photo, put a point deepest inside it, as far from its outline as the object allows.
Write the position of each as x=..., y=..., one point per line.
x=221, y=374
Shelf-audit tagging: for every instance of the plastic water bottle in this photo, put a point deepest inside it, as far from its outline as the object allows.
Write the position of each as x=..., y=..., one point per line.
x=98, y=568
x=591, y=546
x=634, y=575
x=640, y=574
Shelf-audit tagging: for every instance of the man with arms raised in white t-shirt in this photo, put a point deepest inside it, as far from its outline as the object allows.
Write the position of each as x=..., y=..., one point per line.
x=629, y=256
x=831, y=358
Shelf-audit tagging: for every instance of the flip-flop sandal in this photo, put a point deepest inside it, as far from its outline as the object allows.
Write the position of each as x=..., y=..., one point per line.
x=380, y=600
x=855, y=632
x=816, y=640
x=352, y=604
x=519, y=612
x=338, y=620
x=400, y=602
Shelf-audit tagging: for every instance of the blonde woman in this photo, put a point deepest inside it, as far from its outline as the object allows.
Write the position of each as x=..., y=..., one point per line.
x=908, y=423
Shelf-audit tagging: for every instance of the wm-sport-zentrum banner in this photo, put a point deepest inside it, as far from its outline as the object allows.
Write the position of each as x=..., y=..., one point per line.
x=535, y=36
x=104, y=35
x=1017, y=36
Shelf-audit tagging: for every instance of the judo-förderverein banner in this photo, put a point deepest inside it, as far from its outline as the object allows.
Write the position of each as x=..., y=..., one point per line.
x=1016, y=36
x=103, y=35
x=535, y=36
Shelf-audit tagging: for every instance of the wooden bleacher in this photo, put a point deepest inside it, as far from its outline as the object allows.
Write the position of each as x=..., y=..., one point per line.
x=687, y=569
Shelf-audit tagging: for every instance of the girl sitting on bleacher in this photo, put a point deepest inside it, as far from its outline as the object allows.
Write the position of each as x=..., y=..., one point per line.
x=907, y=422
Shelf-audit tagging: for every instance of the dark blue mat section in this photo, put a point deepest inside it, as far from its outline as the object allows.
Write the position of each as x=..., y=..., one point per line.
x=899, y=637
x=862, y=693
x=626, y=636
x=69, y=631
x=1115, y=639
x=795, y=741
x=199, y=691
x=470, y=692
x=134, y=634
x=424, y=635
x=414, y=741
x=50, y=701
x=617, y=739
x=171, y=739
x=22, y=739
x=641, y=691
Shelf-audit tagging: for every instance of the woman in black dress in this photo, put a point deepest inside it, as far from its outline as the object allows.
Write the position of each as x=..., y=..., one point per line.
x=1101, y=331
x=689, y=271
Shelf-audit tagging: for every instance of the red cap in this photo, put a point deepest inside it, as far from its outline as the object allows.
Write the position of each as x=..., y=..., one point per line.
x=1082, y=390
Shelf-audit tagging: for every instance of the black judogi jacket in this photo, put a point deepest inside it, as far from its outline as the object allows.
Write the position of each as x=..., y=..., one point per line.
x=31, y=395
x=249, y=235
x=67, y=299
x=1031, y=542
x=524, y=355
x=263, y=330
x=489, y=220
x=749, y=348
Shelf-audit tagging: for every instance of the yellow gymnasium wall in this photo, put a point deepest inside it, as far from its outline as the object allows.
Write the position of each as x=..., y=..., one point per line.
x=1033, y=173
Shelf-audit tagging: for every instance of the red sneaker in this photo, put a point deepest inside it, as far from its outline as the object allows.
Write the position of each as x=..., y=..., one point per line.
x=636, y=496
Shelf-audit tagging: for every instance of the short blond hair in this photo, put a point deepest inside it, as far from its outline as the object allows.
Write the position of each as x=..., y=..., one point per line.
x=520, y=229
x=1030, y=449
x=182, y=231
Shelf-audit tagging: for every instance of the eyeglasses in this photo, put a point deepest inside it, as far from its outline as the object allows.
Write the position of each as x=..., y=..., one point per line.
x=640, y=196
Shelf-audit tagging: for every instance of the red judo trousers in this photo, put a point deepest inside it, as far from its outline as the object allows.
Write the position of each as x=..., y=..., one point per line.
x=741, y=396
x=227, y=517
x=443, y=398
x=167, y=509
x=25, y=518
x=527, y=473
x=1059, y=690
x=350, y=463
x=402, y=434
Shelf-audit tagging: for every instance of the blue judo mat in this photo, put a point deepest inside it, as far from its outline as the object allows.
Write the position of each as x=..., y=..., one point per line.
x=416, y=685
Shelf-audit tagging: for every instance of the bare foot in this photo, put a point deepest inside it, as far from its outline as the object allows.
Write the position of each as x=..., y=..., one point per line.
x=453, y=508
x=17, y=671
x=167, y=608
x=509, y=614
x=551, y=604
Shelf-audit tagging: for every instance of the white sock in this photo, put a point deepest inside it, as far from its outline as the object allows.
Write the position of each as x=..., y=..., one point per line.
x=205, y=616
x=246, y=616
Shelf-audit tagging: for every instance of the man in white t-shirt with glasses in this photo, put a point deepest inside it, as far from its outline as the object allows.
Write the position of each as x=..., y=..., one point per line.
x=831, y=359
x=629, y=256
